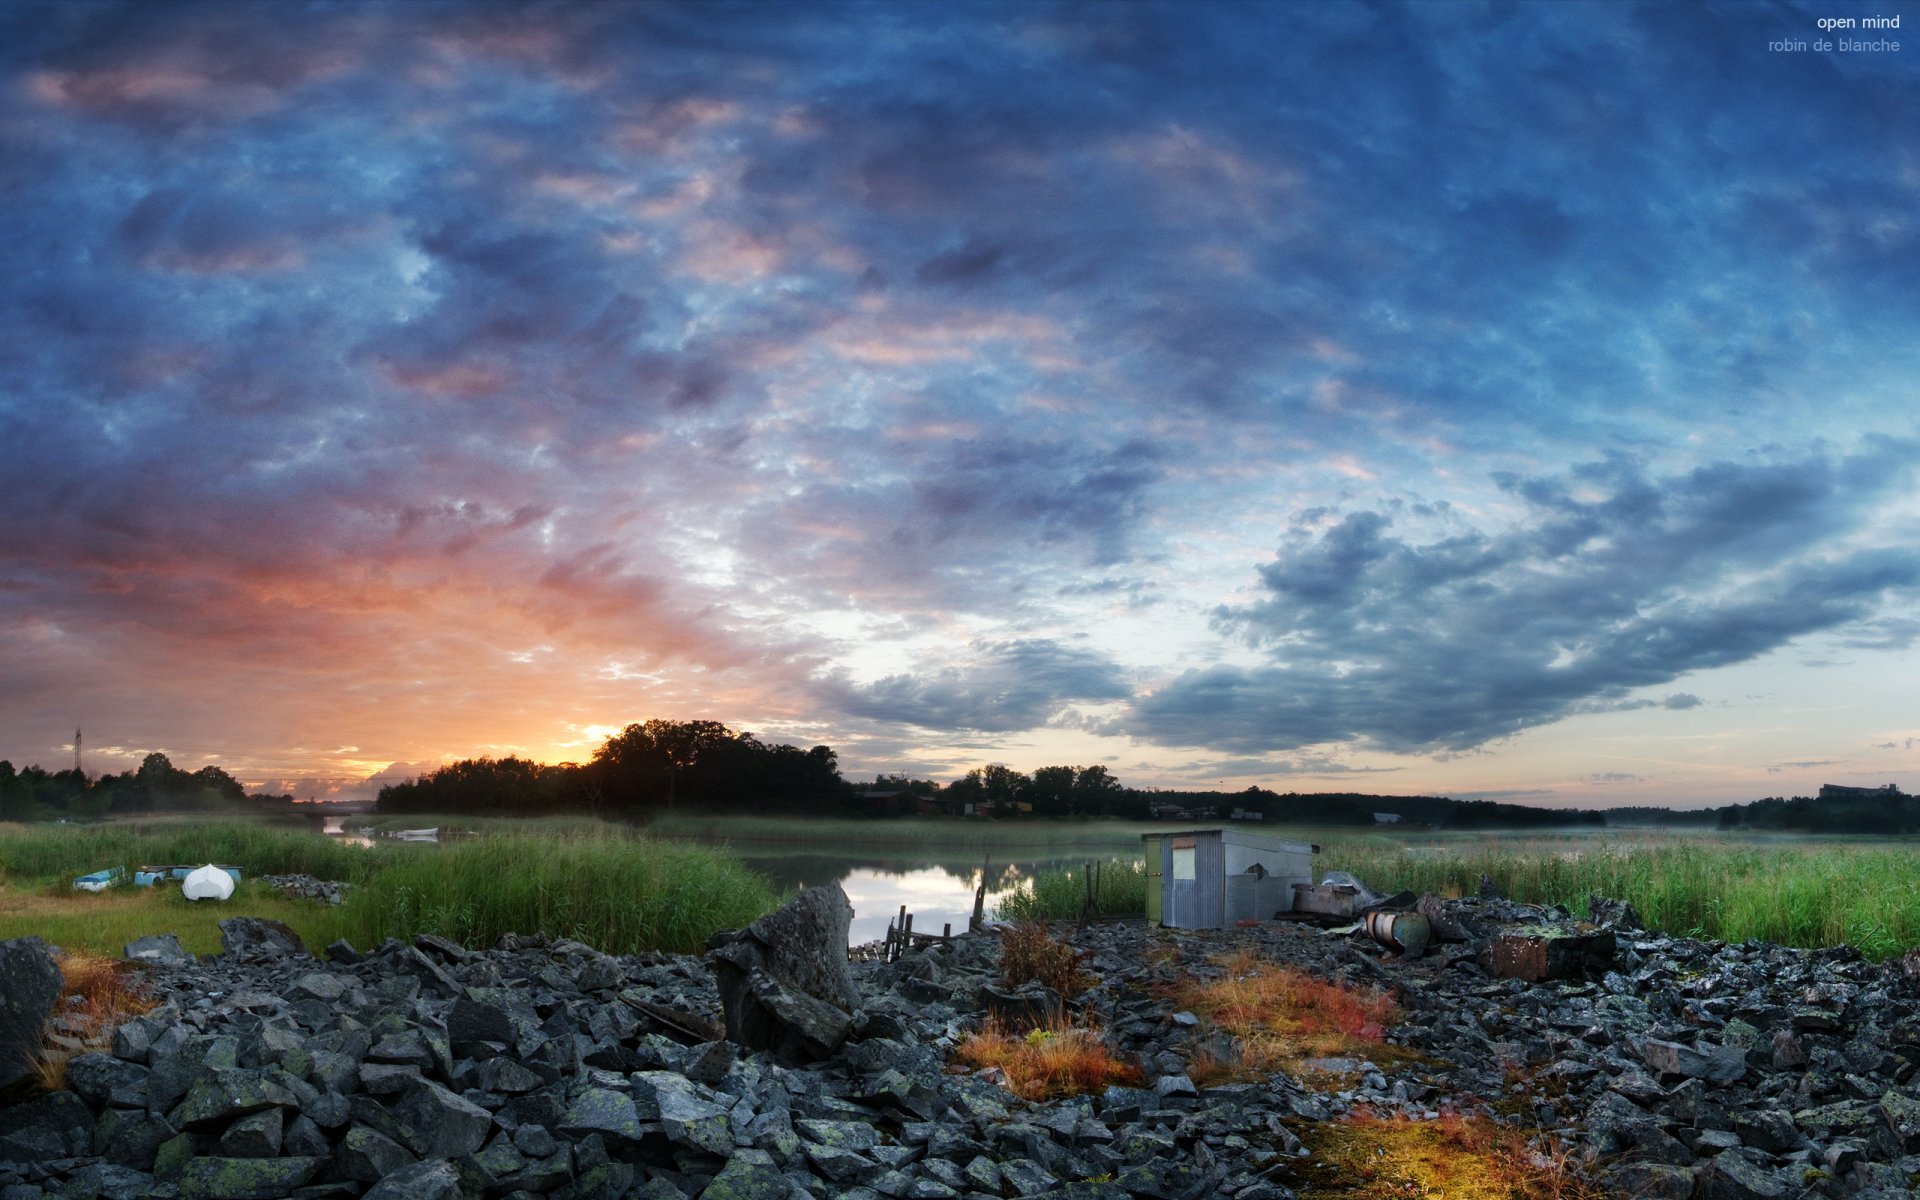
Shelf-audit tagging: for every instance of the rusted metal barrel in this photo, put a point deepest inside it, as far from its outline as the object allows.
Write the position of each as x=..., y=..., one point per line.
x=1401, y=932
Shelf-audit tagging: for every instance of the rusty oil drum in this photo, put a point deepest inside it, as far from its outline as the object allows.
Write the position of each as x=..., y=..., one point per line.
x=1401, y=932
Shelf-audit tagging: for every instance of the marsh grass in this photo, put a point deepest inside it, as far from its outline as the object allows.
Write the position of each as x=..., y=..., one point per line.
x=98, y=992
x=1057, y=894
x=598, y=883
x=612, y=889
x=104, y=923
x=1804, y=893
x=49, y=853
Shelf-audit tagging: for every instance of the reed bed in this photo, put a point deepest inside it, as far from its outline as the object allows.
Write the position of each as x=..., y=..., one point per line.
x=1058, y=894
x=616, y=891
x=1795, y=893
x=33, y=854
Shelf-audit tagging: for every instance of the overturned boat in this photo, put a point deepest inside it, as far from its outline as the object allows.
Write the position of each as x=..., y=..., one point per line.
x=100, y=881
x=209, y=883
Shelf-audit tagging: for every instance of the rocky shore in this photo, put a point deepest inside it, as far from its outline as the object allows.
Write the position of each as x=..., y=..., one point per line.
x=542, y=1068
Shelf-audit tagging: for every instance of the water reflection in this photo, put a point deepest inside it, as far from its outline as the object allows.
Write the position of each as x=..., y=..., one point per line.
x=937, y=894
x=335, y=827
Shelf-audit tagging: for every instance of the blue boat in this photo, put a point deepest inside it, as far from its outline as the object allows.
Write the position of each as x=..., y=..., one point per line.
x=148, y=876
x=100, y=881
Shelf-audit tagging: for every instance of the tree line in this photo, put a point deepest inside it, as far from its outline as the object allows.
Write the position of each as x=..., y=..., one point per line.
x=156, y=785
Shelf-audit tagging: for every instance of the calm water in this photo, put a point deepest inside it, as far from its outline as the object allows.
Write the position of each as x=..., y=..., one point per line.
x=936, y=894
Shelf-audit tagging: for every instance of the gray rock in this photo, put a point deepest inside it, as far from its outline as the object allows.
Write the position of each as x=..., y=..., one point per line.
x=30, y=983
x=1670, y=1061
x=255, y=1136
x=218, y=1096
x=130, y=1137
x=259, y=937
x=245, y=1178
x=748, y=1175
x=603, y=1111
x=783, y=981
x=443, y=1124
x=367, y=1155
x=103, y=1079
x=108, y=1181
x=1738, y=1176
x=435, y=1179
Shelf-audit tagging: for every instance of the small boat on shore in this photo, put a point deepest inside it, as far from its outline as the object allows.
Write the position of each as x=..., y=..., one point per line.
x=100, y=881
x=150, y=875
x=416, y=835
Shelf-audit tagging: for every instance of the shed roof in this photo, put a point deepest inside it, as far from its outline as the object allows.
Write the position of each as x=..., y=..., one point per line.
x=1243, y=836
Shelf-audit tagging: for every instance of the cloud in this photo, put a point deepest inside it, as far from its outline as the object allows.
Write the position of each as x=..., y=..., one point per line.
x=1803, y=765
x=1605, y=777
x=1610, y=580
x=1003, y=686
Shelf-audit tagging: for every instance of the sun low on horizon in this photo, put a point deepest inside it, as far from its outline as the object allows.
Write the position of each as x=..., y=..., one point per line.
x=1513, y=401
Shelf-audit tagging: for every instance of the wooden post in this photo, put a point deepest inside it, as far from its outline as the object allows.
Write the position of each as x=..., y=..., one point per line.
x=980, y=899
x=1086, y=907
x=946, y=932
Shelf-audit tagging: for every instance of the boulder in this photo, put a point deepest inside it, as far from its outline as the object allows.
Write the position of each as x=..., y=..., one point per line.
x=30, y=983
x=783, y=981
x=247, y=937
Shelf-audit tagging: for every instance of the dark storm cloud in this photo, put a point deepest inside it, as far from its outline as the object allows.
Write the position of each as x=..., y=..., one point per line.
x=1000, y=687
x=404, y=335
x=1610, y=580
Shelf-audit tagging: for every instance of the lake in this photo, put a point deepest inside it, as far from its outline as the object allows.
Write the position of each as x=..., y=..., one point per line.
x=937, y=894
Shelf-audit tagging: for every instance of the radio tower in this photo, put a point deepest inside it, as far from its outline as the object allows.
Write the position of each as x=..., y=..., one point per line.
x=76, y=753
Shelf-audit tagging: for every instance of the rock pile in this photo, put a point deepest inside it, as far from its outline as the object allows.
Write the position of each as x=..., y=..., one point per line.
x=543, y=1068
x=306, y=887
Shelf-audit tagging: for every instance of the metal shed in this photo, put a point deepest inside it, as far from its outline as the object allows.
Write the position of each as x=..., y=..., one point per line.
x=1210, y=878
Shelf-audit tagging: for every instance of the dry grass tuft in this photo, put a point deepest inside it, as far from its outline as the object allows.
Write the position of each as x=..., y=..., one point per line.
x=1029, y=953
x=1461, y=1158
x=97, y=994
x=1280, y=1016
x=1048, y=1064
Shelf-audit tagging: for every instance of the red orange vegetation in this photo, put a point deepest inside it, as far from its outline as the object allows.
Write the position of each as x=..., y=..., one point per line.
x=1459, y=1157
x=1280, y=1015
x=1047, y=1064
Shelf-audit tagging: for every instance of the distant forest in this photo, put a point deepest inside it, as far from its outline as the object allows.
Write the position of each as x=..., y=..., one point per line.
x=659, y=766
x=156, y=785
x=704, y=766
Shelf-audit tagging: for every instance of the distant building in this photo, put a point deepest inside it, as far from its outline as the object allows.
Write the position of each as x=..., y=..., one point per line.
x=1836, y=791
x=1386, y=818
x=1248, y=814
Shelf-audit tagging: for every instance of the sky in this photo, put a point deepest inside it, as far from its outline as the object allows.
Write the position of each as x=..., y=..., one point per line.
x=1510, y=400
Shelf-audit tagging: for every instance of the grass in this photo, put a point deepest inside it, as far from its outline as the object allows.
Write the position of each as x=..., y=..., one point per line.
x=40, y=854
x=98, y=993
x=105, y=922
x=1282, y=1017
x=1048, y=1063
x=1458, y=1157
x=601, y=884
x=1793, y=892
x=1119, y=889
x=1029, y=954
x=611, y=888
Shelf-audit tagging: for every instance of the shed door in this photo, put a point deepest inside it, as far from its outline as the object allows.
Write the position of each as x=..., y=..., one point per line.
x=1154, y=877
